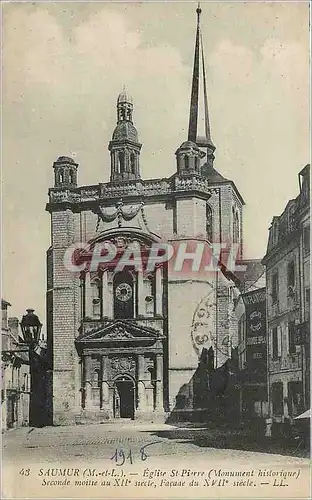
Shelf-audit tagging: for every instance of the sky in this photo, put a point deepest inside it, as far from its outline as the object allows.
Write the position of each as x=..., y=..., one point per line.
x=64, y=66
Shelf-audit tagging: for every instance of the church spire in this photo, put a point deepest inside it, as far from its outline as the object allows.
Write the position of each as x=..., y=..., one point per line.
x=199, y=64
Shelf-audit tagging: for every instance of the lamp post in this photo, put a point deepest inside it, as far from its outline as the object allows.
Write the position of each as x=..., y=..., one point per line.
x=31, y=328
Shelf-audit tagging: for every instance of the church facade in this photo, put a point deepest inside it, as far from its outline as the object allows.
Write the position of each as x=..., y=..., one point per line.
x=126, y=340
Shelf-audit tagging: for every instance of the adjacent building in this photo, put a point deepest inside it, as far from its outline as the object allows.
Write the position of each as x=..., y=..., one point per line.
x=288, y=307
x=15, y=373
x=252, y=341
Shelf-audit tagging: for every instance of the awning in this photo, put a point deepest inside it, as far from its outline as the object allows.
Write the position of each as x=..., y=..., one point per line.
x=306, y=414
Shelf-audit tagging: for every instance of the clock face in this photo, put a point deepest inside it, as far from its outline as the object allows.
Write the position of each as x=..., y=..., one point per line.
x=123, y=292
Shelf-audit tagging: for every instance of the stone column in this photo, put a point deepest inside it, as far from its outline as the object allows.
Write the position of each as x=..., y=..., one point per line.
x=159, y=382
x=140, y=297
x=105, y=294
x=158, y=291
x=105, y=387
x=141, y=386
x=88, y=382
x=88, y=296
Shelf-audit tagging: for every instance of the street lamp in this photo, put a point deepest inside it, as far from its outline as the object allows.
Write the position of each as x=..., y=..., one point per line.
x=31, y=328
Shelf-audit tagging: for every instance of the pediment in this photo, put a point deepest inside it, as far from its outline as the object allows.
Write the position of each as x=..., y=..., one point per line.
x=118, y=331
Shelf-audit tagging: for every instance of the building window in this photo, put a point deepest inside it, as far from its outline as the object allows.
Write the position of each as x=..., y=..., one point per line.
x=291, y=279
x=209, y=222
x=306, y=240
x=187, y=162
x=235, y=226
x=61, y=177
x=274, y=343
x=291, y=337
x=121, y=158
x=291, y=273
x=132, y=160
x=277, y=398
x=275, y=288
x=307, y=304
x=295, y=398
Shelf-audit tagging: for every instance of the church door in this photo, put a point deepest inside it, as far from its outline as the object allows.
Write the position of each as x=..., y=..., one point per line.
x=124, y=398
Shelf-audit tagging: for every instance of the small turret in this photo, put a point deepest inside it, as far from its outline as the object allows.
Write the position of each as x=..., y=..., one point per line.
x=188, y=158
x=124, y=146
x=65, y=172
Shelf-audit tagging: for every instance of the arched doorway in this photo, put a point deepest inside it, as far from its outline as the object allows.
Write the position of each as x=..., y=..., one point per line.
x=124, y=397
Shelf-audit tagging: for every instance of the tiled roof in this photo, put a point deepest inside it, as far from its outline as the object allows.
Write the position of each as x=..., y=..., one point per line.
x=211, y=173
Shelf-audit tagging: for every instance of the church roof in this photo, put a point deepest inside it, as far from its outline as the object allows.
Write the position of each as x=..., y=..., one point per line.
x=125, y=131
x=212, y=174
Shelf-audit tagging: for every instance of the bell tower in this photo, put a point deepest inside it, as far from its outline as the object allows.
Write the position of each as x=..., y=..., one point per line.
x=124, y=146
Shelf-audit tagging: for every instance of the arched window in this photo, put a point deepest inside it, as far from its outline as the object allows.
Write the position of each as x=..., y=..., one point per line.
x=209, y=227
x=121, y=158
x=123, y=287
x=187, y=162
x=132, y=161
x=71, y=177
x=235, y=227
x=61, y=177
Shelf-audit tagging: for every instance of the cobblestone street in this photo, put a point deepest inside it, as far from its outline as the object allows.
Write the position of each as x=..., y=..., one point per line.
x=99, y=442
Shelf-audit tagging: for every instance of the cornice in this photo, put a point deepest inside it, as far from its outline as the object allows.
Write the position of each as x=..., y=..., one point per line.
x=87, y=197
